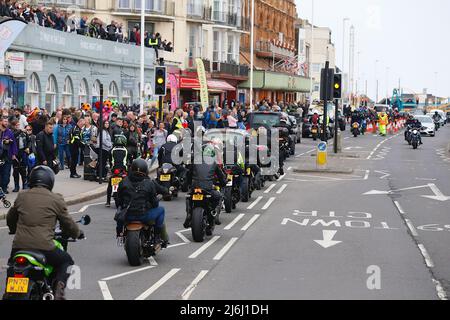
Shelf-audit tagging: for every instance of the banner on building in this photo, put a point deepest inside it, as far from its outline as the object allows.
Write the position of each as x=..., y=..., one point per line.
x=128, y=84
x=9, y=31
x=173, y=92
x=16, y=63
x=203, y=83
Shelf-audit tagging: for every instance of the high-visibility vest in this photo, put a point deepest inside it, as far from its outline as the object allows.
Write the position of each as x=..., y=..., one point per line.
x=153, y=41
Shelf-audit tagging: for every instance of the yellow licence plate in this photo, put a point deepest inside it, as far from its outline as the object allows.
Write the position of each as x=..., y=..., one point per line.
x=314, y=130
x=230, y=177
x=249, y=171
x=197, y=197
x=116, y=181
x=17, y=285
x=164, y=178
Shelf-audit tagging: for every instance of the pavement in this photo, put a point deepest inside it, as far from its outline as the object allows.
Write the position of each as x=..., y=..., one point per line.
x=380, y=232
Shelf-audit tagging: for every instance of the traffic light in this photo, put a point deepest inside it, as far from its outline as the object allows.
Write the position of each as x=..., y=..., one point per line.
x=337, y=86
x=160, y=81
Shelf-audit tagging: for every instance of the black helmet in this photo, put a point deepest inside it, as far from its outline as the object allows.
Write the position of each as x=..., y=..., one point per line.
x=42, y=176
x=140, y=167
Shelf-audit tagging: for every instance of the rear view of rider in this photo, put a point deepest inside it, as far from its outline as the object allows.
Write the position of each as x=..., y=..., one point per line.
x=33, y=219
x=138, y=193
x=204, y=176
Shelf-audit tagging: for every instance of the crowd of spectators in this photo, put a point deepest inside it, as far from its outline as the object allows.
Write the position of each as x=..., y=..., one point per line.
x=62, y=20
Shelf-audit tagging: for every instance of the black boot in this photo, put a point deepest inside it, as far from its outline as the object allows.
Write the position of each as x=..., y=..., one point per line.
x=17, y=188
x=187, y=222
x=59, y=291
x=217, y=221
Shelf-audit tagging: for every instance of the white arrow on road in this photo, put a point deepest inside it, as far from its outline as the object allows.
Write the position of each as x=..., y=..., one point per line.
x=438, y=195
x=328, y=241
x=385, y=174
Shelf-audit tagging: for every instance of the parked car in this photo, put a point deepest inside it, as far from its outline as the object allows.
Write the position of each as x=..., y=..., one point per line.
x=428, y=127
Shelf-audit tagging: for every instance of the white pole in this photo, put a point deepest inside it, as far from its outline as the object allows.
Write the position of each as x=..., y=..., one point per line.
x=435, y=85
x=252, y=37
x=343, y=51
x=311, y=54
x=142, y=56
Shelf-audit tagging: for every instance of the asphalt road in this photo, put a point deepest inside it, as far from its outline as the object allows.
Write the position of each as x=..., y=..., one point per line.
x=306, y=236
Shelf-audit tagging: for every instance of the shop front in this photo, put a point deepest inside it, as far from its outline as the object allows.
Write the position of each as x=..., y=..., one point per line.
x=276, y=87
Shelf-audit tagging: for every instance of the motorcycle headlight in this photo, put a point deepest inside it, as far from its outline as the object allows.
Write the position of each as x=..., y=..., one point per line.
x=415, y=131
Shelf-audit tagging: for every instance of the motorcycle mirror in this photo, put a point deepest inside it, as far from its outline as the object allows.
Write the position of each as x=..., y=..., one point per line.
x=85, y=220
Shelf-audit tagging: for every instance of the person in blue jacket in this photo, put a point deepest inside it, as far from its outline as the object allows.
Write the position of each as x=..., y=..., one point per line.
x=61, y=134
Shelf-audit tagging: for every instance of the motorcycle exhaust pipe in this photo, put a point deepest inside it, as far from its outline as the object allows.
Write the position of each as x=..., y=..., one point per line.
x=48, y=297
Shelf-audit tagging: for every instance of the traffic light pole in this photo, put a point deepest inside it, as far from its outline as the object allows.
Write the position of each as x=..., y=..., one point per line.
x=100, y=129
x=336, y=124
x=161, y=98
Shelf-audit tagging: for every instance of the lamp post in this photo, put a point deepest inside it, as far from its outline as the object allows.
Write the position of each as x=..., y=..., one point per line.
x=311, y=55
x=343, y=49
x=252, y=37
x=376, y=81
x=141, y=96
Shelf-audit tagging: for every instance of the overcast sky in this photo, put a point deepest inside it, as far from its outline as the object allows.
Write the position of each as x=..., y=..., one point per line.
x=408, y=36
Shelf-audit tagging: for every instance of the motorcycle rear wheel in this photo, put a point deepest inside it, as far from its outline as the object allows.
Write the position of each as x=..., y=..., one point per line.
x=228, y=200
x=198, y=225
x=133, y=248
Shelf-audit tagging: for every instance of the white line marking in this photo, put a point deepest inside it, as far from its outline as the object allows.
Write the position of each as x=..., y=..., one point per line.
x=270, y=188
x=411, y=228
x=153, y=261
x=289, y=169
x=236, y=220
x=105, y=290
x=427, y=257
x=282, y=177
x=2, y=228
x=187, y=293
x=282, y=188
x=203, y=247
x=254, y=203
x=225, y=249
x=176, y=245
x=267, y=205
x=182, y=237
x=250, y=222
x=83, y=209
x=158, y=284
x=440, y=290
x=399, y=207
x=127, y=273
x=376, y=148
x=367, y=175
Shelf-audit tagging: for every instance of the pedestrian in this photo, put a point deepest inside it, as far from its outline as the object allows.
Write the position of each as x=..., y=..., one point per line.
x=75, y=144
x=21, y=162
x=159, y=139
x=32, y=150
x=61, y=134
x=8, y=153
x=133, y=142
x=45, y=148
x=106, y=150
x=86, y=137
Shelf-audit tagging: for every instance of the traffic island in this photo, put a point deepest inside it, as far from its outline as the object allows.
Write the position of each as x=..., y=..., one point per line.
x=341, y=155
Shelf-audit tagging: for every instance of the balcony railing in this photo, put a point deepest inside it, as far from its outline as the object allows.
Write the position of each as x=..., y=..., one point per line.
x=83, y=4
x=191, y=64
x=230, y=69
x=268, y=47
x=162, y=7
x=231, y=19
x=199, y=11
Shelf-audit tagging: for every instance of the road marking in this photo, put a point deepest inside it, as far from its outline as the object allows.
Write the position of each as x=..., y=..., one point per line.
x=399, y=207
x=376, y=148
x=176, y=245
x=153, y=261
x=2, y=228
x=411, y=228
x=269, y=202
x=427, y=257
x=236, y=220
x=366, y=176
x=328, y=241
x=289, y=169
x=225, y=249
x=250, y=222
x=385, y=174
x=270, y=188
x=182, y=237
x=254, y=203
x=282, y=177
x=187, y=293
x=158, y=284
x=105, y=290
x=203, y=247
x=440, y=290
x=282, y=188
x=127, y=273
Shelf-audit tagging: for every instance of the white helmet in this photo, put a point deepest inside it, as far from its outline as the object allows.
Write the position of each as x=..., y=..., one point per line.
x=172, y=138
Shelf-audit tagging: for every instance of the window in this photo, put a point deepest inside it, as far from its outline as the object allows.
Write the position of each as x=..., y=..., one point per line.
x=50, y=94
x=127, y=97
x=96, y=91
x=195, y=8
x=34, y=89
x=150, y=27
x=316, y=67
x=83, y=92
x=216, y=45
x=230, y=51
x=124, y=4
x=68, y=93
x=113, y=91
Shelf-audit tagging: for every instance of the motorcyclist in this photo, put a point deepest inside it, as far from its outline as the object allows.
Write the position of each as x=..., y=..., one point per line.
x=138, y=193
x=284, y=133
x=119, y=156
x=416, y=124
x=205, y=176
x=165, y=154
x=33, y=219
x=437, y=117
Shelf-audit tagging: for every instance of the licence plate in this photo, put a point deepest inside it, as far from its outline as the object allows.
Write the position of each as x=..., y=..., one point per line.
x=230, y=177
x=197, y=197
x=249, y=171
x=116, y=181
x=314, y=130
x=17, y=285
x=164, y=178
x=115, y=188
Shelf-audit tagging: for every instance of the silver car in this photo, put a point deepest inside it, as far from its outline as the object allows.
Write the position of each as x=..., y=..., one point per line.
x=428, y=127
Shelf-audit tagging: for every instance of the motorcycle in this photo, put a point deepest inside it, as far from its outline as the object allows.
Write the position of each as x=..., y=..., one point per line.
x=408, y=134
x=167, y=177
x=415, y=138
x=315, y=131
x=231, y=193
x=203, y=215
x=437, y=124
x=248, y=184
x=355, y=129
x=118, y=174
x=29, y=277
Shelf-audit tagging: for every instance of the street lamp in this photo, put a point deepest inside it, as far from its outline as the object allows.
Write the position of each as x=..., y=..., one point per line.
x=376, y=80
x=343, y=46
x=141, y=95
x=311, y=55
x=387, y=83
x=252, y=36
